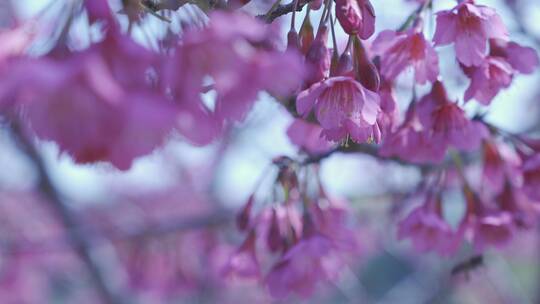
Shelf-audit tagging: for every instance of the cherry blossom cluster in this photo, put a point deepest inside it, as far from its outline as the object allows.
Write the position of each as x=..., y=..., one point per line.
x=305, y=237
x=116, y=100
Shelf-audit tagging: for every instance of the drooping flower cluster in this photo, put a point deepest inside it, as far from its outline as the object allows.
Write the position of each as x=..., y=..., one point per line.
x=309, y=239
x=116, y=100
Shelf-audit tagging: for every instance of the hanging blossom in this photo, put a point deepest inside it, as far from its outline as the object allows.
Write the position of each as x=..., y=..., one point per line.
x=446, y=122
x=501, y=165
x=496, y=72
x=427, y=228
x=95, y=104
x=310, y=239
x=356, y=17
x=307, y=136
x=430, y=127
x=469, y=26
x=317, y=257
x=401, y=50
x=411, y=142
x=237, y=53
x=343, y=107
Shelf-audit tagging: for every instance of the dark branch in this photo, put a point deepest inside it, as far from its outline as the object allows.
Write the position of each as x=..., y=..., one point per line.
x=75, y=236
x=282, y=10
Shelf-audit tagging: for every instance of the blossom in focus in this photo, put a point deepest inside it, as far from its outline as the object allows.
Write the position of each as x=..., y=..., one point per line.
x=356, y=17
x=469, y=26
x=342, y=107
x=401, y=50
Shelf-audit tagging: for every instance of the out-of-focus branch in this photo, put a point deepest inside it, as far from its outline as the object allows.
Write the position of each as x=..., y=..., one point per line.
x=96, y=236
x=75, y=236
x=205, y=221
x=282, y=10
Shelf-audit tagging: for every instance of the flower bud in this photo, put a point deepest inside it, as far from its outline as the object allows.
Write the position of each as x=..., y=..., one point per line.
x=365, y=71
x=356, y=17
x=306, y=35
x=243, y=218
x=318, y=57
x=315, y=4
x=293, y=42
x=274, y=239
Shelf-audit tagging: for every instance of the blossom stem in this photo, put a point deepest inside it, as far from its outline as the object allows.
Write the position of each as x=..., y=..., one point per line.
x=293, y=19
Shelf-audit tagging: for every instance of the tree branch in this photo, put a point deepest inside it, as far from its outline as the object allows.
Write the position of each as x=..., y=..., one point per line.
x=76, y=238
x=282, y=10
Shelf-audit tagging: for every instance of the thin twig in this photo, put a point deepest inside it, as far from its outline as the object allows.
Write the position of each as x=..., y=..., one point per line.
x=76, y=238
x=283, y=10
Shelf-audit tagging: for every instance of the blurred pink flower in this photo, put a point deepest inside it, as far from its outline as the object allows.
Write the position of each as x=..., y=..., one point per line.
x=243, y=262
x=411, y=142
x=469, y=26
x=307, y=136
x=428, y=230
x=311, y=261
x=498, y=69
x=95, y=104
x=493, y=229
x=531, y=177
x=318, y=58
x=237, y=53
x=522, y=59
x=501, y=165
x=488, y=79
x=400, y=50
x=357, y=17
x=446, y=121
x=98, y=10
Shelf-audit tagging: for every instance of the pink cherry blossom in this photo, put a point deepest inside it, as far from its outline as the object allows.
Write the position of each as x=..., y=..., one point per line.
x=311, y=261
x=399, y=51
x=342, y=107
x=357, y=17
x=494, y=229
x=227, y=51
x=411, y=142
x=522, y=59
x=501, y=165
x=531, y=176
x=243, y=263
x=447, y=122
x=498, y=69
x=318, y=57
x=98, y=10
x=95, y=104
x=307, y=136
x=428, y=230
x=488, y=79
x=469, y=26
